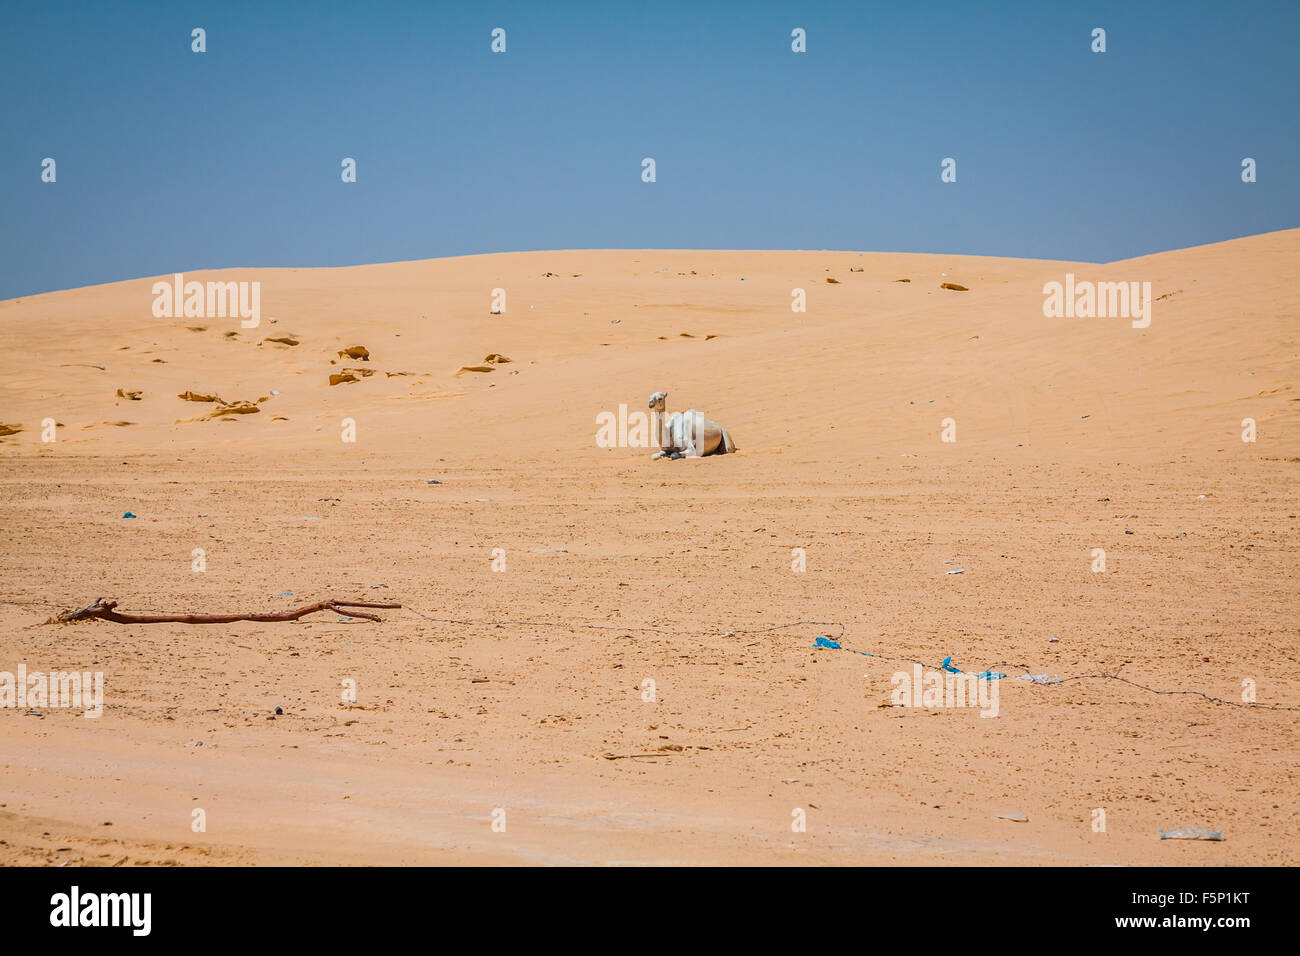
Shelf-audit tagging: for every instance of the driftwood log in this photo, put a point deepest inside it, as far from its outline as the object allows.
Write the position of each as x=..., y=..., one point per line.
x=105, y=610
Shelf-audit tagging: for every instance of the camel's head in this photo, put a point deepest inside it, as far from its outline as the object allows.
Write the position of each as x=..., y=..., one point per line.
x=658, y=401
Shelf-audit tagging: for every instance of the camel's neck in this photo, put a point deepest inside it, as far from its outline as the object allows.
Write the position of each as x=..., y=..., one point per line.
x=659, y=426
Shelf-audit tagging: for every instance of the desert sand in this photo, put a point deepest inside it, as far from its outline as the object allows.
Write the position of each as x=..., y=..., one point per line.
x=522, y=689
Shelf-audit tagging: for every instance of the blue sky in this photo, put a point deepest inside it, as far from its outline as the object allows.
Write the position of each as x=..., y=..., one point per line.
x=168, y=160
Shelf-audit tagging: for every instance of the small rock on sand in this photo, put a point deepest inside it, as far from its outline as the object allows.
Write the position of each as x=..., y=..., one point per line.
x=1192, y=833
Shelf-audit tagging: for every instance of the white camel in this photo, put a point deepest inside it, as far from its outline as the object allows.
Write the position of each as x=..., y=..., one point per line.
x=688, y=434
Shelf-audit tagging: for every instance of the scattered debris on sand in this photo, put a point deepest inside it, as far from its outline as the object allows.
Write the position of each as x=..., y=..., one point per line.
x=953, y=286
x=223, y=409
x=133, y=395
x=236, y=408
x=359, y=352
x=1192, y=833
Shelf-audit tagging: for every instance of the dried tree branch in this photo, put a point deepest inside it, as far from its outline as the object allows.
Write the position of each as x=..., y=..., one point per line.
x=104, y=610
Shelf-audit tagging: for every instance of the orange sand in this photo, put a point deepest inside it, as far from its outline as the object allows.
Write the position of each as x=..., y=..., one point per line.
x=1070, y=432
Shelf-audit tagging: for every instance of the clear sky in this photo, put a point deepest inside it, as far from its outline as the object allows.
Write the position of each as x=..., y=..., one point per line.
x=169, y=160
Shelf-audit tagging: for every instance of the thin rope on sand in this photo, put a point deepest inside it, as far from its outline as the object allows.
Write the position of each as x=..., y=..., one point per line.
x=842, y=631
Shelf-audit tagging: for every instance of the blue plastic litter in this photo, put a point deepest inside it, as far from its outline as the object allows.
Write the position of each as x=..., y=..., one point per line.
x=986, y=675
x=826, y=642
x=128, y=515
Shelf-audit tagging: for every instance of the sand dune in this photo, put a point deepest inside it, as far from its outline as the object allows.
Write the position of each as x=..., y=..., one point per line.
x=884, y=350
x=1070, y=433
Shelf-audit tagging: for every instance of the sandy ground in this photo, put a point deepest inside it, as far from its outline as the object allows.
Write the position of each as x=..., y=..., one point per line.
x=521, y=690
